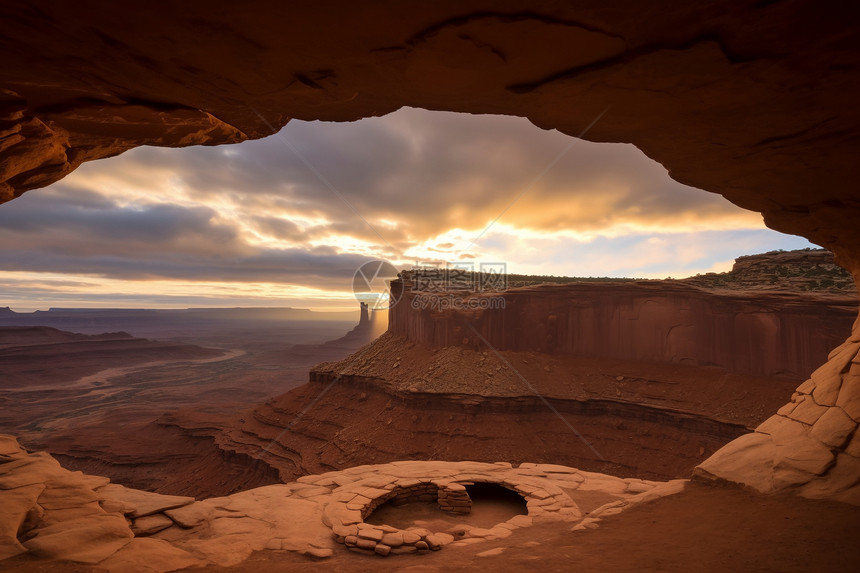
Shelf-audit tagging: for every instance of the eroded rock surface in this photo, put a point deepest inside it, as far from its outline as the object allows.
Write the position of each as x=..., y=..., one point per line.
x=753, y=100
x=759, y=333
x=811, y=444
x=65, y=515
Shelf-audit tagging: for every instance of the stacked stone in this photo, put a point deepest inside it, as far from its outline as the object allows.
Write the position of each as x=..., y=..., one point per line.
x=446, y=483
x=422, y=492
x=386, y=540
x=811, y=445
x=453, y=498
x=358, y=501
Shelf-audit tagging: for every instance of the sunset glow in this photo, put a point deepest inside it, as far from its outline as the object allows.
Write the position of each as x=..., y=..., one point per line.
x=252, y=225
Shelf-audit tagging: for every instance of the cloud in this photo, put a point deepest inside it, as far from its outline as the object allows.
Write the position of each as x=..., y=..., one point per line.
x=634, y=255
x=308, y=206
x=429, y=171
x=66, y=219
x=70, y=231
x=33, y=293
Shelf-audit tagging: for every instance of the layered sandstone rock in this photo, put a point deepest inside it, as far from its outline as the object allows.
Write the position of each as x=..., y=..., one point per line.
x=797, y=271
x=396, y=399
x=55, y=514
x=762, y=334
x=810, y=445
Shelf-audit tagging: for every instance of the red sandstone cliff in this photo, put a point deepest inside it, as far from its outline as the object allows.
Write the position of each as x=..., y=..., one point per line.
x=762, y=334
x=654, y=374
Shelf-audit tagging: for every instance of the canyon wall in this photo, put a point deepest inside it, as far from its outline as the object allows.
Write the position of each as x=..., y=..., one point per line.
x=760, y=334
x=340, y=420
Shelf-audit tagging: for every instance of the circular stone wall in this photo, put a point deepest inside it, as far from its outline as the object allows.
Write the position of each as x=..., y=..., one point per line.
x=443, y=482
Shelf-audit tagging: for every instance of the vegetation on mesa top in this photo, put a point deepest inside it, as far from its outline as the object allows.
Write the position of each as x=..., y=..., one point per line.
x=801, y=270
x=804, y=270
x=454, y=279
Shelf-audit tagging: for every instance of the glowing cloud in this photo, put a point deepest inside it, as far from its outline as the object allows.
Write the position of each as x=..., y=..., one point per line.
x=167, y=227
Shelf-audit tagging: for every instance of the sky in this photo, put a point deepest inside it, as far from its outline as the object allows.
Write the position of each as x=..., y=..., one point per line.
x=287, y=220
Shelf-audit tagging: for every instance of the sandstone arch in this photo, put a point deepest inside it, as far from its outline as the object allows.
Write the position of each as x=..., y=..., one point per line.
x=752, y=100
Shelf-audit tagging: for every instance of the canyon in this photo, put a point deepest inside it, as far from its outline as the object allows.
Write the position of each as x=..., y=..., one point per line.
x=94, y=401
x=635, y=378
x=755, y=101
x=586, y=436
x=625, y=364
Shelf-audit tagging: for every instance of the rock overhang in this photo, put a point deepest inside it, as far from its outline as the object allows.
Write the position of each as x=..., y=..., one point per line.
x=755, y=101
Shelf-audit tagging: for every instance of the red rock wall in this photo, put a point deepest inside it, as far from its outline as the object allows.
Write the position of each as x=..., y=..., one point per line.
x=763, y=334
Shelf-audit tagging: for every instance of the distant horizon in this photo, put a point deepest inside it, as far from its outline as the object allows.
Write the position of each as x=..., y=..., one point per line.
x=131, y=309
x=350, y=304
x=287, y=220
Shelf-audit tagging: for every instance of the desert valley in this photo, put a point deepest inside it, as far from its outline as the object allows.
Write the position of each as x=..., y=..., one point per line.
x=208, y=412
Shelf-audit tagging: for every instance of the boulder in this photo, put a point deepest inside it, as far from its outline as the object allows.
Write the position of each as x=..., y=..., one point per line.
x=193, y=514
x=828, y=377
x=318, y=552
x=804, y=456
x=747, y=460
x=393, y=539
x=9, y=445
x=840, y=478
x=806, y=410
x=144, y=502
x=33, y=469
x=86, y=540
x=15, y=504
x=849, y=393
x=853, y=447
x=833, y=428
x=67, y=491
x=149, y=524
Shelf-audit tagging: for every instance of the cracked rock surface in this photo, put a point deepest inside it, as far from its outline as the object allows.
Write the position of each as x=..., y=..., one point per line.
x=53, y=513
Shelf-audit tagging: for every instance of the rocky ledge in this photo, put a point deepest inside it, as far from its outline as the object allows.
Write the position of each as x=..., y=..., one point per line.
x=52, y=513
x=803, y=270
x=811, y=444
